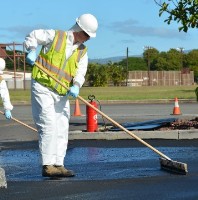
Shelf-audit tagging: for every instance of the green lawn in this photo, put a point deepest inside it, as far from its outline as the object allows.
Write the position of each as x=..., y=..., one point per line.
x=123, y=93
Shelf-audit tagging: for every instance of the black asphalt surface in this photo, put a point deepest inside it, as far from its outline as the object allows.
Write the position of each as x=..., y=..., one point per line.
x=118, y=169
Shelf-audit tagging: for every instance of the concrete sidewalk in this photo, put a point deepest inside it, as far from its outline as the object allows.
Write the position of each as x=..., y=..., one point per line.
x=117, y=135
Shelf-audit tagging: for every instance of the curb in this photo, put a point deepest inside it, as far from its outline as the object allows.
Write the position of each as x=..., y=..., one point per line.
x=148, y=101
x=120, y=135
x=114, y=135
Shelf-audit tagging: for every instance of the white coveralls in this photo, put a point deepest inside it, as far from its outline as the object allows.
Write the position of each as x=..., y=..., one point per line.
x=5, y=94
x=51, y=112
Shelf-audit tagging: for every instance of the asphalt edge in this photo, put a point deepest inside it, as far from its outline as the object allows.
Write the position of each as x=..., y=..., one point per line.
x=119, y=135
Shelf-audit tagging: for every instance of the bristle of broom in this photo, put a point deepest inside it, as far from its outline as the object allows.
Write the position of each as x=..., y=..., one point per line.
x=173, y=166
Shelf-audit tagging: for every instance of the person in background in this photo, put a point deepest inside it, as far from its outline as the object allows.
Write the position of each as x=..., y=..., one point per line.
x=4, y=92
x=64, y=54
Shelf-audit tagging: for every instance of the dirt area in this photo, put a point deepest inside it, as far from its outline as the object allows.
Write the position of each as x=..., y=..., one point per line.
x=181, y=124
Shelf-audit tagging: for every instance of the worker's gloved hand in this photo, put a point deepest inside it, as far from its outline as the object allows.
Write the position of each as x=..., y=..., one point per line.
x=31, y=57
x=8, y=114
x=73, y=91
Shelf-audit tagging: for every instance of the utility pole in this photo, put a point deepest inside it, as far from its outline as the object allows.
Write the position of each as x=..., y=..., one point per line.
x=181, y=49
x=148, y=63
x=127, y=65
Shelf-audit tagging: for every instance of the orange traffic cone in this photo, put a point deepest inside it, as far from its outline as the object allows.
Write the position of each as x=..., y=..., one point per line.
x=176, y=109
x=77, y=111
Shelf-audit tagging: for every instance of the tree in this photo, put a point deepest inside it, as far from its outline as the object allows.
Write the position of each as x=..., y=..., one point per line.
x=117, y=74
x=160, y=63
x=174, y=60
x=149, y=55
x=91, y=74
x=181, y=11
x=171, y=60
x=97, y=75
x=134, y=63
x=192, y=62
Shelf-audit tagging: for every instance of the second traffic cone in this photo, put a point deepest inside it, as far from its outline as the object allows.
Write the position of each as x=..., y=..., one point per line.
x=77, y=111
x=176, y=109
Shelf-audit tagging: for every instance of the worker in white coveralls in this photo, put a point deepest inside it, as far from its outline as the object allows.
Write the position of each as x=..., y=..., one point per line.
x=4, y=92
x=65, y=56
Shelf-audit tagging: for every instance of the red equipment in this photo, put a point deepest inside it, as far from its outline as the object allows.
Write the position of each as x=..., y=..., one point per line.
x=92, y=119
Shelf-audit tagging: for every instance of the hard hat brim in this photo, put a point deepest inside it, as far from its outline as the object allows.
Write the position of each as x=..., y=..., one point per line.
x=92, y=35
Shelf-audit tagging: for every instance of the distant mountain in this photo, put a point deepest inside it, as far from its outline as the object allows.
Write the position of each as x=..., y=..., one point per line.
x=106, y=60
x=118, y=58
x=110, y=59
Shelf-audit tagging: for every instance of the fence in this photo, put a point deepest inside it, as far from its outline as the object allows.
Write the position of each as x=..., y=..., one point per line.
x=160, y=78
x=17, y=80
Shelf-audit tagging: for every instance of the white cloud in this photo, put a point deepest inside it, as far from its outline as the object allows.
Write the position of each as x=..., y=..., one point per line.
x=132, y=28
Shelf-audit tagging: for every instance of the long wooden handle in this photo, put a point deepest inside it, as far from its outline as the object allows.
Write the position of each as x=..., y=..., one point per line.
x=20, y=122
x=104, y=115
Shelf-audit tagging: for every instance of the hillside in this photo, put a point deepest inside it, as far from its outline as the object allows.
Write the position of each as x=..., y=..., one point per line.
x=106, y=60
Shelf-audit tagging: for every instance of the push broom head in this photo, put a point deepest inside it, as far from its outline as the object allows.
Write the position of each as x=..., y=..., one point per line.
x=173, y=166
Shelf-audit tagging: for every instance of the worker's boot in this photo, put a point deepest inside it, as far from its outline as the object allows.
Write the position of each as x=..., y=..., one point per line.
x=50, y=171
x=64, y=172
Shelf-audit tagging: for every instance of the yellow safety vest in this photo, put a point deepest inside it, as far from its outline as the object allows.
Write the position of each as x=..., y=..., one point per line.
x=55, y=61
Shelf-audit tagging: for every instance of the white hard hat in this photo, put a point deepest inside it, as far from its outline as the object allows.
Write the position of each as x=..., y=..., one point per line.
x=2, y=65
x=88, y=23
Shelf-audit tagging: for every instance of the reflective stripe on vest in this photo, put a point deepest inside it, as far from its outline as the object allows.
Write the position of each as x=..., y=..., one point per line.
x=59, y=42
x=55, y=61
x=55, y=70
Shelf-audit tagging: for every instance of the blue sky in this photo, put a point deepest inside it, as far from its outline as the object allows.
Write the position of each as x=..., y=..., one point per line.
x=127, y=23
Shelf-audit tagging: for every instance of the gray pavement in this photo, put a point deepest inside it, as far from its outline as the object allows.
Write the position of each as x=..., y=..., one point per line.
x=13, y=131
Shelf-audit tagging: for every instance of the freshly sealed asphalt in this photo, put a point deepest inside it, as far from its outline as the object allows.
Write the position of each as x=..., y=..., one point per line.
x=105, y=168
x=115, y=169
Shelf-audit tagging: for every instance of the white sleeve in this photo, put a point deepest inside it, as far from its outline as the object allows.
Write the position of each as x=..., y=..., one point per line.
x=81, y=71
x=39, y=37
x=5, y=96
